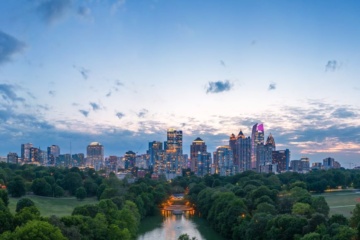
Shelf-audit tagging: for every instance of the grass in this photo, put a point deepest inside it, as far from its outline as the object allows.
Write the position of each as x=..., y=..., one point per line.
x=53, y=206
x=341, y=202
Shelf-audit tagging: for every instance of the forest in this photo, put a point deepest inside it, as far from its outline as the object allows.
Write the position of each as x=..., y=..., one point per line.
x=249, y=205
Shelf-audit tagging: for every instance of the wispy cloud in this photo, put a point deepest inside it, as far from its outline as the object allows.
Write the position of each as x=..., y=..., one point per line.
x=53, y=10
x=142, y=113
x=120, y=115
x=84, y=12
x=218, y=86
x=9, y=46
x=84, y=112
x=222, y=63
x=7, y=92
x=52, y=93
x=344, y=113
x=118, y=4
x=272, y=86
x=83, y=71
x=95, y=106
x=332, y=65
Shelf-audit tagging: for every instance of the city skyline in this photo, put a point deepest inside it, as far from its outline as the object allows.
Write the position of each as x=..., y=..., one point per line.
x=122, y=72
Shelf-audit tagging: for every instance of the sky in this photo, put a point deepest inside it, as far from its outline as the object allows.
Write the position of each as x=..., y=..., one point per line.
x=121, y=72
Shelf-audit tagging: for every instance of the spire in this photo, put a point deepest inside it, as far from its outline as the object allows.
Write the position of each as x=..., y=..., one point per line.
x=241, y=135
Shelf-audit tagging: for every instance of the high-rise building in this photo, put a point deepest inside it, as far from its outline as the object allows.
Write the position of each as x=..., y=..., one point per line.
x=282, y=159
x=154, y=148
x=174, y=141
x=224, y=161
x=197, y=147
x=242, y=160
x=257, y=138
x=25, y=152
x=232, y=144
x=264, y=154
x=203, y=164
x=53, y=153
x=12, y=158
x=35, y=155
x=95, y=155
x=78, y=159
x=129, y=158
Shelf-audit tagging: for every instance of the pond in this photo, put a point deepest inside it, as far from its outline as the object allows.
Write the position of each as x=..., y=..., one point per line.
x=167, y=226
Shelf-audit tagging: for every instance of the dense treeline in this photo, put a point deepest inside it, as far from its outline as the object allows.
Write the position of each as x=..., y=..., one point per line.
x=117, y=215
x=268, y=206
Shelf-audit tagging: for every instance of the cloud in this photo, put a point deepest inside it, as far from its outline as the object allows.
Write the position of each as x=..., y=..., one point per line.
x=118, y=83
x=52, y=93
x=218, y=86
x=84, y=12
x=332, y=65
x=84, y=112
x=83, y=71
x=108, y=94
x=9, y=46
x=53, y=10
x=222, y=63
x=142, y=113
x=95, y=106
x=7, y=92
x=344, y=113
x=272, y=86
x=120, y=115
x=118, y=4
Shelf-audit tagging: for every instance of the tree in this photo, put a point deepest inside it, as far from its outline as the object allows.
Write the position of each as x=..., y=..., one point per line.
x=186, y=236
x=16, y=187
x=24, y=202
x=72, y=182
x=355, y=218
x=37, y=230
x=4, y=197
x=58, y=191
x=80, y=193
x=41, y=187
x=320, y=205
x=6, y=218
x=303, y=209
x=26, y=214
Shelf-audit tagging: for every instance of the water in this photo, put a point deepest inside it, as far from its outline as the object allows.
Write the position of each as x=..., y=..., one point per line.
x=170, y=227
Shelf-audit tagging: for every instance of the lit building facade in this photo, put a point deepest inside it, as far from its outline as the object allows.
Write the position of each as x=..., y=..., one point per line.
x=257, y=138
x=12, y=158
x=53, y=153
x=224, y=161
x=154, y=148
x=129, y=160
x=282, y=159
x=25, y=152
x=243, y=153
x=197, y=147
x=95, y=155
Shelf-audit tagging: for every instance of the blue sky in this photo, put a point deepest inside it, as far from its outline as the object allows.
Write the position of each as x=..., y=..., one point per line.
x=122, y=72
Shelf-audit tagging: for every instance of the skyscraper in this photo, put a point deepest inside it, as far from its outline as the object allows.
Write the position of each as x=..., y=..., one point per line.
x=95, y=155
x=197, y=147
x=53, y=153
x=25, y=152
x=12, y=158
x=257, y=138
x=224, y=161
x=243, y=153
x=154, y=148
x=174, y=140
x=282, y=159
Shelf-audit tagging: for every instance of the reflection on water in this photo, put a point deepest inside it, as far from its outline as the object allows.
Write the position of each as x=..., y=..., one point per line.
x=168, y=226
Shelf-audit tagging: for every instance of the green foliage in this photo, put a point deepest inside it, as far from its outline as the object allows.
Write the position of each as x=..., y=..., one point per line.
x=80, y=193
x=24, y=202
x=16, y=187
x=72, y=181
x=4, y=197
x=37, y=230
x=26, y=214
x=303, y=209
x=41, y=187
x=355, y=218
x=6, y=219
x=320, y=205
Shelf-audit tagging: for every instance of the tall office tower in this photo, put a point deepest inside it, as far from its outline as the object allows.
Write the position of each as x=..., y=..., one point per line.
x=203, y=164
x=78, y=159
x=154, y=148
x=243, y=153
x=197, y=147
x=305, y=164
x=25, y=152
x=257, y=138
x=12, y=158
x=232, y=144
x=174, y=141
x=53, y=152
x=129, y=158
x=282, y=159
x=95, y=155
x=34, y=155
x=264, y=153
x=224, y=161
x=328, y=163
